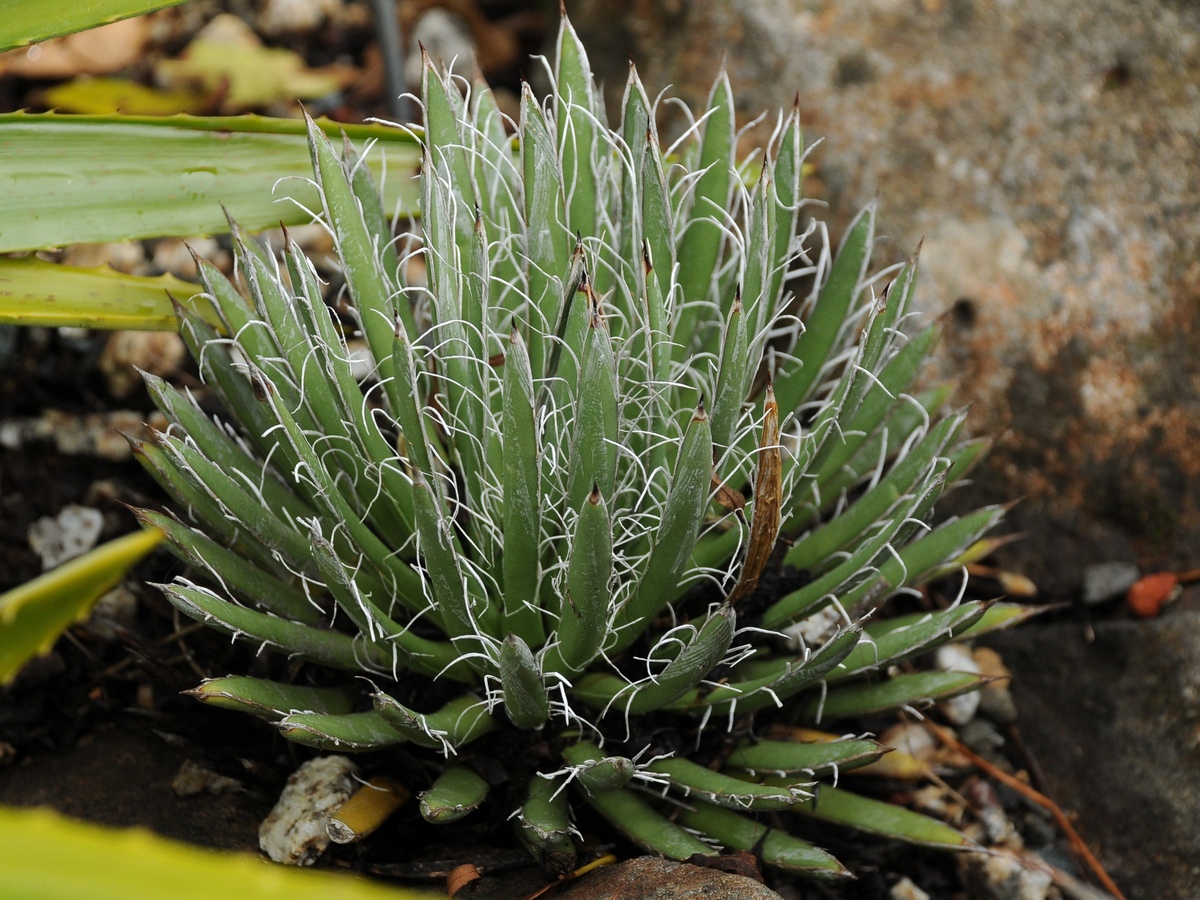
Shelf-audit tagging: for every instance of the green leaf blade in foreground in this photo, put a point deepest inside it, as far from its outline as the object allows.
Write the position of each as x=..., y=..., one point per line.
x=33, y=615
x=36, y=292
x=70, y=179
x=45, y=855
x=22, y=22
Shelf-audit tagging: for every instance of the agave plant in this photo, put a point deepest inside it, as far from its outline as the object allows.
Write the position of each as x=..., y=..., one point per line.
x=607, y=486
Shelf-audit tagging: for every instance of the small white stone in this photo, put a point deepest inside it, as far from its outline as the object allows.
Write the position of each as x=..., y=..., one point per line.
x=157, y=352
x=958, y=658
x=295, y=831
x=905, y=889
x=293, y=16
x=911, y=738
x=73, y=532
x=193, y=778
x=1001, y=876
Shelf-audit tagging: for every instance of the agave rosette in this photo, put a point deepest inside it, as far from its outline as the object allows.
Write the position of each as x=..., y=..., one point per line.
x=595, y=426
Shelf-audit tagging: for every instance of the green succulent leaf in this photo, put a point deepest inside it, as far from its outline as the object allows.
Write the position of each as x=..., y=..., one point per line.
x=885, y=819
x=695, y=780
x=899, y=691
x=815, y=759
x=543, y=823
x=272, y=699
x=356, y=732
x=634, y=817
x=457, y=792
x=774, y=846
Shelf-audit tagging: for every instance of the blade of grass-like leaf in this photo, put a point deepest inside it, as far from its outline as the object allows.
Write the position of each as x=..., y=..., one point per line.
x=22, y=22
x=37, y=612
x=69, y=179
x=36, y=292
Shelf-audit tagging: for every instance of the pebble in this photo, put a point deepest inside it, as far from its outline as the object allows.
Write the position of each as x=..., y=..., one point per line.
x=648, y=878
x=157, y=352
x=995, y=700
x=906, y=889
x=1108, y=581
x=123, y=256
x=1002, y=876
x=446, y=38
x=114, y=612
x=958, y=658
x=193, y=779
x=294, y=832
x=71, y=533
x=981, y=736
x=175, y=255
x=92, y=434
x=280, y=17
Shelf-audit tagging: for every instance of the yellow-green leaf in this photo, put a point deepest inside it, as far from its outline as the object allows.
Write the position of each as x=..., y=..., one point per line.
x=254, y=76
x=36, y=292
x=23, y=21
x=33, y=615
x=48, y=856
x=99, y=96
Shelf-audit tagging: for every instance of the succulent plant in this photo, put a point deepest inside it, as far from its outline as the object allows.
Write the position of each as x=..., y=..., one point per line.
x=607, y=486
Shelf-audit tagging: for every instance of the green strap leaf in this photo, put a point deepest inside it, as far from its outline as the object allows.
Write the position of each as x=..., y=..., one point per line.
x=522, y=499
x=676, y=535
x=119, y=178
x=544, y=825
x=329, y=648
x=700, y=240
x=825, y=322
x=890, y=642
x=248, y=582
x=587, y=603
x=459, y=722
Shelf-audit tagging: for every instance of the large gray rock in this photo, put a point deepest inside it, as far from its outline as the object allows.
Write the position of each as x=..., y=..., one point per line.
x=1115, y=724
x=1046, y=150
